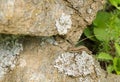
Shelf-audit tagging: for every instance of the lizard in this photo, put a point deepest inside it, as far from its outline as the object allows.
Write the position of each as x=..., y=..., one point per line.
x=79, y=49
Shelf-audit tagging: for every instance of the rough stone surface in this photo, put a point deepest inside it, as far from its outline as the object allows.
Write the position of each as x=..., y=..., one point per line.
x=47, y=17
x=9, y=53
x=78, y=65
x=37, y=63
x=59, y=23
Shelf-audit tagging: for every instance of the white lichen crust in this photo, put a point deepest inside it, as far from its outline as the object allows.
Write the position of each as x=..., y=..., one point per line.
x=63, y=24
x=9, y=51
x=77, y=65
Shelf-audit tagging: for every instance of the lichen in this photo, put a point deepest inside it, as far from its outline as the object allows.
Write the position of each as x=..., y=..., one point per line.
x=47, y=39
x=9, y=51
x=77, y=65
x=63, y=24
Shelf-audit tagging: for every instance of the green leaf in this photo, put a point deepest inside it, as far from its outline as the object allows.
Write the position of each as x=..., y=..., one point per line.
x=117, y=48
x=101, y=34
x=102, y=19
x=110, y=68
x=88, y=32
x=105, y=25
x=116, y=64
x=104, y=56
x=101, y=26
x=114, y=26
x=115, y=3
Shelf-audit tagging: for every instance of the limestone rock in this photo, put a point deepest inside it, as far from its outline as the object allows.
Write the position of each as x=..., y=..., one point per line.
x=40, y=59
x=9, y=52
x=56, y=22
x=79, y=65
x=45, y=60
x=47, y=17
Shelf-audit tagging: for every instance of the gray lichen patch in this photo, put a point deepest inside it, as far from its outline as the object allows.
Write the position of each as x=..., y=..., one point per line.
x=77, y=65
x=63, y=24
x=45, y=40
x=9, y=51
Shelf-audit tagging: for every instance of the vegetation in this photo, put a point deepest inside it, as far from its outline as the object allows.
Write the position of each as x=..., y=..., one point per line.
x=104, y=33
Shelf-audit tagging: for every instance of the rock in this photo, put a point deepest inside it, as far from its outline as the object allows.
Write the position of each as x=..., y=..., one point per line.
x=47, y=17
x=81, y=66
x=9, y=52
x=45, y=58
x=42, y=61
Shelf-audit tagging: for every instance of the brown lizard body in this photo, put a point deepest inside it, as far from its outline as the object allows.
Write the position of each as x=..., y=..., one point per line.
x=79, y=49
